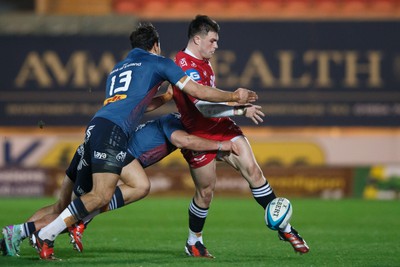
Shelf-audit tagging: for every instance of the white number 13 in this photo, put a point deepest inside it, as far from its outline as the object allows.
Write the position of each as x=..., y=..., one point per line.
x=124, y=78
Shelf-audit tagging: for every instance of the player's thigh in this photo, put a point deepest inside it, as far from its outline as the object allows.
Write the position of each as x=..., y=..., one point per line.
x=103, y=188
x=245, y=162
x=104, y=185
x=134, y=175
x=83, y=174
x=205, y=176
x=106, y=145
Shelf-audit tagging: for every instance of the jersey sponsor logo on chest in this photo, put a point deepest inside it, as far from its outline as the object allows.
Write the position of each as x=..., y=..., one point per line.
x=114, y=99
x=193, y=74
x=183, y=62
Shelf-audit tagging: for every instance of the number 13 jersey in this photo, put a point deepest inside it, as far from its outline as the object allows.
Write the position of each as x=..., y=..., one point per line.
x=132, y=84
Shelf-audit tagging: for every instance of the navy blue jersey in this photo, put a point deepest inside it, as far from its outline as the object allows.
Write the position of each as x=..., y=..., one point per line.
x=151, y=141
x=132, y=84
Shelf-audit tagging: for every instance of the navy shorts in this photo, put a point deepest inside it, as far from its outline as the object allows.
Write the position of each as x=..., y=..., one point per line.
x=104, y=150
x=85, y=183
x=72, y=168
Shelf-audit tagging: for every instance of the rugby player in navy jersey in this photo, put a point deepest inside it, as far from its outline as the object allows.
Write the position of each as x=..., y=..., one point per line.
x=130, y=87
x=151, y=142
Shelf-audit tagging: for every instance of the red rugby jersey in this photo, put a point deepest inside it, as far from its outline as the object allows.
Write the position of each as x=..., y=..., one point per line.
x=192, y=119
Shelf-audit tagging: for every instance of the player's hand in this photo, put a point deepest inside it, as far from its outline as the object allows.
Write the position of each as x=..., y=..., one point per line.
x=230, y=146
x=170, y=91
x=254, y=113
x=243, y=96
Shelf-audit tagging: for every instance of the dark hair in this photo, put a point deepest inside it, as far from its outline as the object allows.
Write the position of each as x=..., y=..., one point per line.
x=202, y=24
x=145, y=36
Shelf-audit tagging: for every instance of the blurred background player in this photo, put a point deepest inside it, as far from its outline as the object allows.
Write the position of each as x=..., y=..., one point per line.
x=129, y=89
x=167, y=134
x=210, y=120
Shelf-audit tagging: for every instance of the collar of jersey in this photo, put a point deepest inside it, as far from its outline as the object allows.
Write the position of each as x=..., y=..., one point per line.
x=187, y=51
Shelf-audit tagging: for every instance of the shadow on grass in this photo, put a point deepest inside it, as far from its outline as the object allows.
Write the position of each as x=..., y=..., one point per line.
x=132, y=256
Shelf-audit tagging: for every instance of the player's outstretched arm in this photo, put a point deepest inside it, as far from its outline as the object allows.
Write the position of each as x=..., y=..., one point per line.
x=254, y=113
x=182, y=139
x=203, y=92
x=243, y=93
x=219, y=110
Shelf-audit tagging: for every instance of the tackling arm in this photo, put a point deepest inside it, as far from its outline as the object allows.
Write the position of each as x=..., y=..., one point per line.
x=203, y=92
x=47, y=214
x=184, y=140
x=160, y=100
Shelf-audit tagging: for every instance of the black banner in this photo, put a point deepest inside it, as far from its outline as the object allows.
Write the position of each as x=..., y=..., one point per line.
x=307, y=73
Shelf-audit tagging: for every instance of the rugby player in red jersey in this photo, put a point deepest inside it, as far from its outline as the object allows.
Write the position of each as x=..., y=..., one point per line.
x=211, y=121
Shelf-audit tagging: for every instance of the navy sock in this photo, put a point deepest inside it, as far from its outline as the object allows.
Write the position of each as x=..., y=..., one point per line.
x=29, y=228
x=117, y=200
x=77, y=209
x=197, y=217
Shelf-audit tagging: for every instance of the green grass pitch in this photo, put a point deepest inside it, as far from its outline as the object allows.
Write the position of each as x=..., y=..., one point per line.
x=152, y=232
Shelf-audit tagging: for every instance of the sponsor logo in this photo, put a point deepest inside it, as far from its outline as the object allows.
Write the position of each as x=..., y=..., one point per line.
x=82, y=163
x=80, y=150
x=88, y=133
x=176, y=115
x=198, y=156
x=192, y=64
x=141, y=126
x=277, y=208
x=182, y=62
x=121, y=156
x=193, y=74
x=100, y=155
x=127, y=65
x=134, y=64
x=114, y=99
x=80, y=191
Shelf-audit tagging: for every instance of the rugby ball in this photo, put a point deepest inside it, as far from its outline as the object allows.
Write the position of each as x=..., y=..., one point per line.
x=278, y=213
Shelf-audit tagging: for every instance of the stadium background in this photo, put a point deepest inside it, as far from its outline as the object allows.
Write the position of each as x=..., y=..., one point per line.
x=327, y=72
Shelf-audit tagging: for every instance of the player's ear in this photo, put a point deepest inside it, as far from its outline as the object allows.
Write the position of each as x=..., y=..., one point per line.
x=196, y=39
x=157, y=48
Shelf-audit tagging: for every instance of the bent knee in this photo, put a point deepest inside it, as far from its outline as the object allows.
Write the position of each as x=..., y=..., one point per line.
x=143, y=190
x=205, y=195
